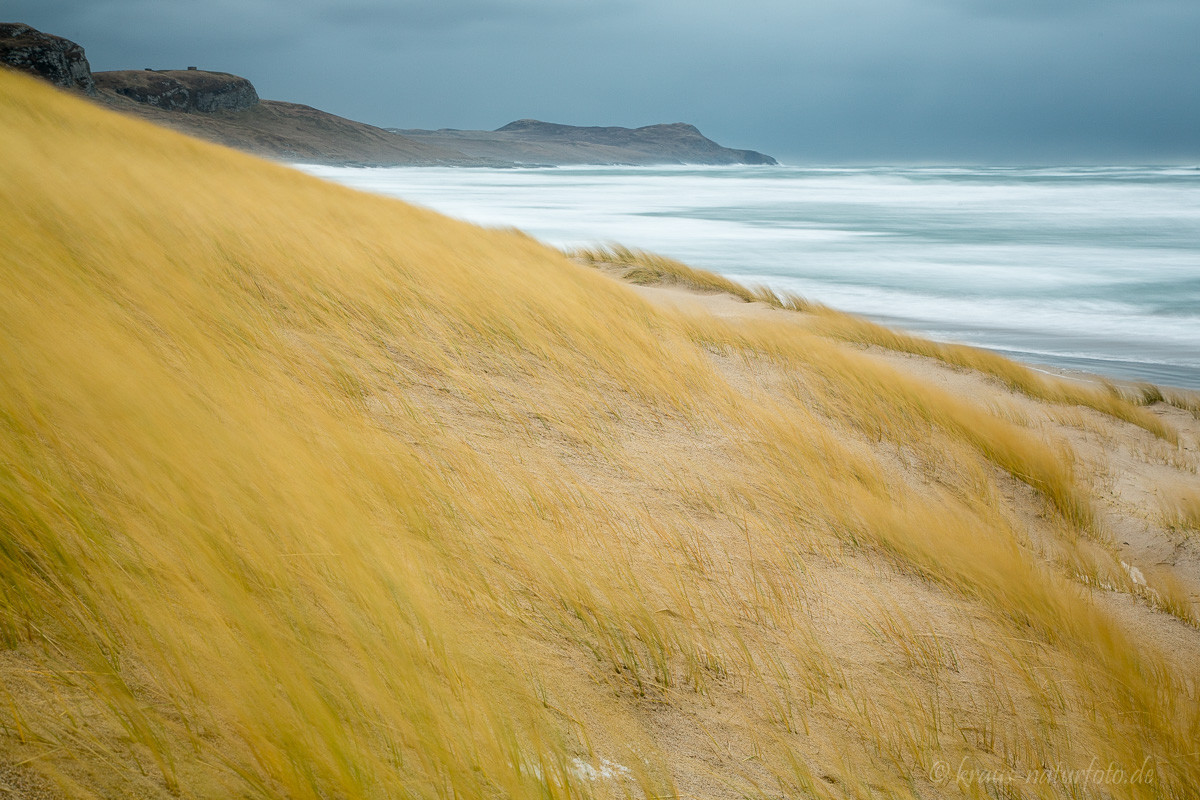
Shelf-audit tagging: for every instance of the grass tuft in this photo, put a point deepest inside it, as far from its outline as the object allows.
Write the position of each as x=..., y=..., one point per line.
x=649, y=268
x=1182, y=513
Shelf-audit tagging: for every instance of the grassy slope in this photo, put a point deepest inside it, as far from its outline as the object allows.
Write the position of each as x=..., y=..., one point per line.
x=310, y=493
x=648, y=268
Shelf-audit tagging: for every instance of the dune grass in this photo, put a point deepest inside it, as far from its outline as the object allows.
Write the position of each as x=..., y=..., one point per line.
x=1109, y=400
x=1182, y=511
x=314, y=494
x=1122, y=404
x=1189, y=402
x=649, y=268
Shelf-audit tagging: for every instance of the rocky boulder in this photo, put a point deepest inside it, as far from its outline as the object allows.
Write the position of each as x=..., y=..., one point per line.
x=53, y=58
x=181, y=90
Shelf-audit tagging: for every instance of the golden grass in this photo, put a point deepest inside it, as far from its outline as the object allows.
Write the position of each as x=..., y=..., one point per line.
x=1182, y=512
x=650, y=268
x=1170, y=594
x=314, y=494
x=1015, y=376
x=1187, y=401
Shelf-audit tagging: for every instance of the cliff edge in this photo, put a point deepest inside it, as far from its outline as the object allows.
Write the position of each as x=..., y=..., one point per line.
x=58, y=60
x=181, y=90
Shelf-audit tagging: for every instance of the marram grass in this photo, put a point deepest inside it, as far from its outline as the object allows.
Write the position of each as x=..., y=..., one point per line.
x=307, y=493
x=649, y=268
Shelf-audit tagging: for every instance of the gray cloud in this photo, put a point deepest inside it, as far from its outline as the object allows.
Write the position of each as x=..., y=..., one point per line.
x=421, y=14
x=851, y=80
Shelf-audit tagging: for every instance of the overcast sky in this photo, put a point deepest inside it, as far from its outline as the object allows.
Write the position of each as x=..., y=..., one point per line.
x=842, y=81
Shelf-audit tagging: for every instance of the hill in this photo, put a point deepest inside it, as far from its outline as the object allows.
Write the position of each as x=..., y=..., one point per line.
x=529, y=141
x=230, y=113
x=219, y=107
x=310, y=493
x=226, y=109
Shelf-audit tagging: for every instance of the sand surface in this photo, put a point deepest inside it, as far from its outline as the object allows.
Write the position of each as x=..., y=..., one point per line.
x=1134, y=474
x=711, y=743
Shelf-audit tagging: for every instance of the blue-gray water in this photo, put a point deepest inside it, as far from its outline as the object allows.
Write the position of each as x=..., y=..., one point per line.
x=1086, y=268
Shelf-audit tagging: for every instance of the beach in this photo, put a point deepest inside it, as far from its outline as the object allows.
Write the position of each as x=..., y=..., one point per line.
x=1094, y=269
x=1140, y=476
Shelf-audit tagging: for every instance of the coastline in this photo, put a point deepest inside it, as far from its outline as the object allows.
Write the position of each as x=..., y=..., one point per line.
x=726, y=305
x=1044, y=266
x=1098, y=380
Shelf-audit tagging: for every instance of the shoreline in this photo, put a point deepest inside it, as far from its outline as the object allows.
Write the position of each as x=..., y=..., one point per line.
x=894, y=245
x=1083, y=376
x=729, y=307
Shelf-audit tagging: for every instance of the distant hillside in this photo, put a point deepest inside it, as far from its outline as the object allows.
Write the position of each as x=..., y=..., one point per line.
x=217, y=106
x=226, y=109
x=529, y=141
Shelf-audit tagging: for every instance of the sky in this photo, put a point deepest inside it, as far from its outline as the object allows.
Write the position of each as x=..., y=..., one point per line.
x=808, y=81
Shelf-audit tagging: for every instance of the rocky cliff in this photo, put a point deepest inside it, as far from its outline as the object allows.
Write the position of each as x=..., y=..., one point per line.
x=181, y=90
x=58, y=60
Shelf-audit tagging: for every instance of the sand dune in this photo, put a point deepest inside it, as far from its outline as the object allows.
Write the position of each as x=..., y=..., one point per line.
x=311, y=493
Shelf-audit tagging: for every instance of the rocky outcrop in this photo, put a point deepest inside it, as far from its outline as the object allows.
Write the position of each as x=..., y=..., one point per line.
x=226, y=109
x=58, y=60
x=531, y=141
x=220, y=107
x=181, y=90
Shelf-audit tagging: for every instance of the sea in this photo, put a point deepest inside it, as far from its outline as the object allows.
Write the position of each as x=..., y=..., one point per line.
x=1095, y=269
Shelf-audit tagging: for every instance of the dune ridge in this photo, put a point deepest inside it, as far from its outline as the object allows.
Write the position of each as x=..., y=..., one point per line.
x=309, y=493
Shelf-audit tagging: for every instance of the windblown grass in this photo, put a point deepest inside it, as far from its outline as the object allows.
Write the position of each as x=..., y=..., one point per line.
x=1189, y=402
x=1015, y=376
x=314, y=494
x=1182, y=511
x=650, y=268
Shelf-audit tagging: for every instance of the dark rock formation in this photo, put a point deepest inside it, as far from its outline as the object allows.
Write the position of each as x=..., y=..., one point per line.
x=53, y=58
x=530, y=141
x=181, y=90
